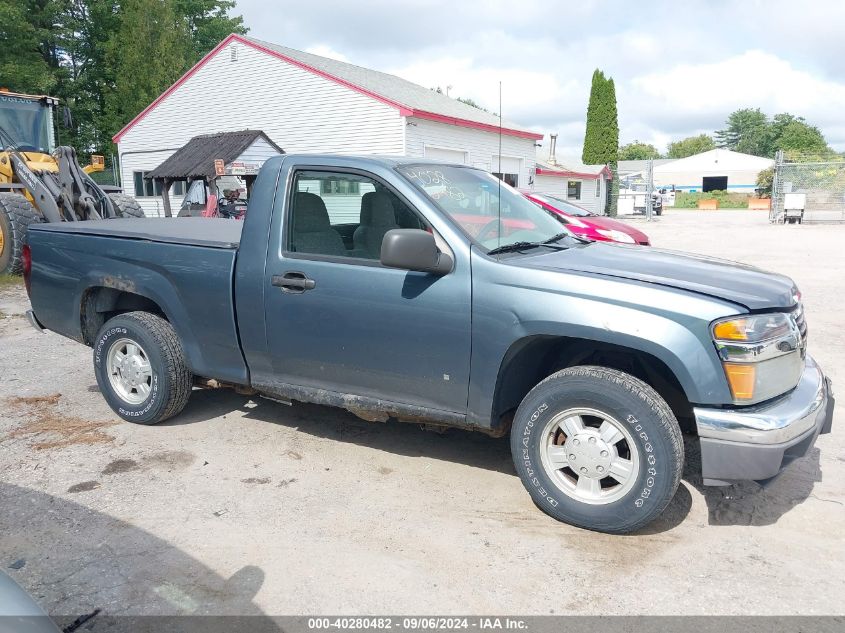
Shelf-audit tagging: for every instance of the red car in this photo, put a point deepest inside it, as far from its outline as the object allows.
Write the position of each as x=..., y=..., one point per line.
x=586, y=223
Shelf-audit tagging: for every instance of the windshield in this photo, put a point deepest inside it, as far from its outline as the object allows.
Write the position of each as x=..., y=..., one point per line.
x=471, y=198
x=564, y=206
x=24, y=124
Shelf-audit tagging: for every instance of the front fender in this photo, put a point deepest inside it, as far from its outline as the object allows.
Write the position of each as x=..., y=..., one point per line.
x=669, y=324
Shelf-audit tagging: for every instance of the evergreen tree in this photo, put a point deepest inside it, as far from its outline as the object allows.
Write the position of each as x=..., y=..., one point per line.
x=601, y=138
x=747, y=131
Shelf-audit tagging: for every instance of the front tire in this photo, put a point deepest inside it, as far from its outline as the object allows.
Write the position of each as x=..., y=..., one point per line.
x=141, y=368
x=126, y=206
x=597, y=448
x=16, y=216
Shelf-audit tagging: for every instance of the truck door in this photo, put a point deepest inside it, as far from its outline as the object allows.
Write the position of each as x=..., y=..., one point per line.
x=338, y=320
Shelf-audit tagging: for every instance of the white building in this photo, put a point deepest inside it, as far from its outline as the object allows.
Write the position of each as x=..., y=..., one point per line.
x=715, y=170
x=584, y=185
x=308, y=103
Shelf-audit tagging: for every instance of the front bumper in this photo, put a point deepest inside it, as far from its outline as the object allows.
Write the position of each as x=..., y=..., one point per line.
x=758, y=442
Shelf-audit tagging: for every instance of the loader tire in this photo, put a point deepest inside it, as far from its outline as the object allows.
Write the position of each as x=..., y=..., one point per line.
x=16, y=214
x=126, y=206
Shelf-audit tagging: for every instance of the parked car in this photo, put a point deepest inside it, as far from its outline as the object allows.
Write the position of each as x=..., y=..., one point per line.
x=436, y=294
x=587, y=224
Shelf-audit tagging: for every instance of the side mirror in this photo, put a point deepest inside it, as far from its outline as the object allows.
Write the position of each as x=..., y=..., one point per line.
x=414, y=249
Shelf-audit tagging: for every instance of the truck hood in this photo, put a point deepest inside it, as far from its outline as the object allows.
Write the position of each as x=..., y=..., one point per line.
x=738, y=283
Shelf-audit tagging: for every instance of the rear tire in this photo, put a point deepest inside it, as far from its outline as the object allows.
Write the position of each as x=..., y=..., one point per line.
x=16, y=215
x=126, y=206
x=141, y=368
x=597, y=448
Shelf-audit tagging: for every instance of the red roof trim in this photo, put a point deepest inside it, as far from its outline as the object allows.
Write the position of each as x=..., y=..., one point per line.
x=440, y=118
x=403, y=109
x=116, y=138
x=573, y=174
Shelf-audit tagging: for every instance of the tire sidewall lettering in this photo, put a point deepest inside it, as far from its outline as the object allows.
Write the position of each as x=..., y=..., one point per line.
x=152, y=402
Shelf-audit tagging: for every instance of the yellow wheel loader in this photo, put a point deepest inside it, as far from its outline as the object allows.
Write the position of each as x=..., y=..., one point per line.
x=40, y=183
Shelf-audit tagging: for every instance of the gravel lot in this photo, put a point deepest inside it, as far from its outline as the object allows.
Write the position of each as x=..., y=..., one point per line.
x=245, y=507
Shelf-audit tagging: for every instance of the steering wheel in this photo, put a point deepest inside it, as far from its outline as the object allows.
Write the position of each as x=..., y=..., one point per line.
x=489, y=227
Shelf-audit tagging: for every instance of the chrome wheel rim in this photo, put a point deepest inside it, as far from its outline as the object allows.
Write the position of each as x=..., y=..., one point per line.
x=590, y=456
x=130, y=373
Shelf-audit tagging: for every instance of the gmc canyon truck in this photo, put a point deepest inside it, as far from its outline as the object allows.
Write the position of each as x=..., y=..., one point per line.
x=436, y=294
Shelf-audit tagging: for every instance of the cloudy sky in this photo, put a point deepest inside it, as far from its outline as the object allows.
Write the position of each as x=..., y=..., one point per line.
x=680, y=66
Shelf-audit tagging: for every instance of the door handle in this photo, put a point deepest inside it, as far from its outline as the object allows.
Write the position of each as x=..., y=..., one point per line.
x=294, y=282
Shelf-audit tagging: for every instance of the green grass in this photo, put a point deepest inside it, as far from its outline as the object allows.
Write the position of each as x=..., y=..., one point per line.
x=732, y=200
x=10, y=281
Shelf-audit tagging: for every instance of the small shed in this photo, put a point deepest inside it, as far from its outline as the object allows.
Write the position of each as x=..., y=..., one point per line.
x=209, y=156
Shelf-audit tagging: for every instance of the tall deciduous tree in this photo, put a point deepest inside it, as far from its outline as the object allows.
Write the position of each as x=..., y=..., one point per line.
x=208, y=22
x=690, y=146
x=147, y=54
x=24, y=65
x=638, y=151
x=601, y=139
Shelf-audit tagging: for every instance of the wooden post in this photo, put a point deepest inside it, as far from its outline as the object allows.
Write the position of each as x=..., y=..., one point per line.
x=165, y=195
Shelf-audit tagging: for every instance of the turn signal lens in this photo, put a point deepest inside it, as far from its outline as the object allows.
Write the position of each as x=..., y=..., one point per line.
x=730, y=330
x=741, y=378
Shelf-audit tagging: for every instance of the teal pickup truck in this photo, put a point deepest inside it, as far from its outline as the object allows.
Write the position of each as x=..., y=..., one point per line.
x=435, y=294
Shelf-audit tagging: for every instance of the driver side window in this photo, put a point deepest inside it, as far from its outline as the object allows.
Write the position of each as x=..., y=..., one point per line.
x=338, y=214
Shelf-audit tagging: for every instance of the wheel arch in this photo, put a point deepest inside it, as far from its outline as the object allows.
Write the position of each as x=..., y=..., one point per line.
x=531, y=359
x=98, y=304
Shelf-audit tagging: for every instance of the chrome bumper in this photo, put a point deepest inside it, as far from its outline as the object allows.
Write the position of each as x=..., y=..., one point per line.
x=758, y=442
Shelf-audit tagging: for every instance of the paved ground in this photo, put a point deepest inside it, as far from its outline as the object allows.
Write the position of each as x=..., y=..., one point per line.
x=243, y=506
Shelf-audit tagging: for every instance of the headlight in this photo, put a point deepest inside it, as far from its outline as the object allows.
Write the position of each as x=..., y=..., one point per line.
x=753, y=328
x=616, y=236
x=760, y=355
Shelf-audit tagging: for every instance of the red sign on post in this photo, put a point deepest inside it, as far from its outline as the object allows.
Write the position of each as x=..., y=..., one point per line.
x=219, y=167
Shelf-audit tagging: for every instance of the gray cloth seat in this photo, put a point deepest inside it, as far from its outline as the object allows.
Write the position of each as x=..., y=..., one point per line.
x=377, y=218
x=312, y=229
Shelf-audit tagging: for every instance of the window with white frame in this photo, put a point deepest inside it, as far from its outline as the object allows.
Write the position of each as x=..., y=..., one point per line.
x=598, y=187
x=573, y=190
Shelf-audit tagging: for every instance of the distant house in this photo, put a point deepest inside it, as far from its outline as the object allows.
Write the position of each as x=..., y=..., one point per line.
x=715, y=170
x=308, y=103
x=568, y=179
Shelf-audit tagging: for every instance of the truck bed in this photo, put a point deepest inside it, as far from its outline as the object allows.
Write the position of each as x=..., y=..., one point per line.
x=185, y=266
x=206, y=232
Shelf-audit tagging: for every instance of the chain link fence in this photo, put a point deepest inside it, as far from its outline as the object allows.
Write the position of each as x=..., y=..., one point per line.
x=110, y=175
x=807, y=189
x=636, y=195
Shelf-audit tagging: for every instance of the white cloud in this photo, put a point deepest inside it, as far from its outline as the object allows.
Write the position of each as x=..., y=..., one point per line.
x=678, y=71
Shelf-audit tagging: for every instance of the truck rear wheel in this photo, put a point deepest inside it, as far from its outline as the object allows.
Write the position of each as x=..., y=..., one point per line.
x=126, y=206
x=597, y=448
x=16, y=214
x=141, y=368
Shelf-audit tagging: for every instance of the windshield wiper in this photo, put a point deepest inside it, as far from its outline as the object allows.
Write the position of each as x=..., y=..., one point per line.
x=560, y=236
x=518, y=246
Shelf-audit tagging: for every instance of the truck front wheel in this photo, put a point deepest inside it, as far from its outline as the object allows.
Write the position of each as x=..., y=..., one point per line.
x=597, y=448
x=141, y=368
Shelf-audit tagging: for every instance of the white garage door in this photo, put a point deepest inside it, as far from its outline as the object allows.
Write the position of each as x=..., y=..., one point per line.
x=446, y=155
x=510, y=165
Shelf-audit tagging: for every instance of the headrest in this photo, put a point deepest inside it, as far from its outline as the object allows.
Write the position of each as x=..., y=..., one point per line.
x=310, y=215
x=381, y=209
